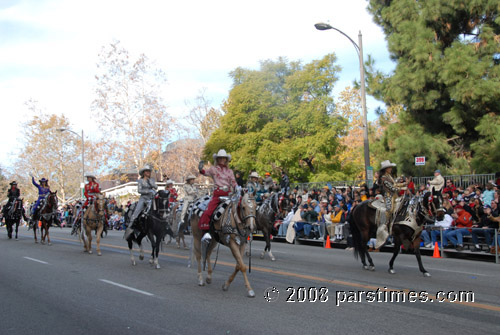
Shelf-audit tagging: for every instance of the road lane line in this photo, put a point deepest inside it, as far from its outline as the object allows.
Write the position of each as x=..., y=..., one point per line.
x=312, y=278
x=35, y=260
x=127, y=287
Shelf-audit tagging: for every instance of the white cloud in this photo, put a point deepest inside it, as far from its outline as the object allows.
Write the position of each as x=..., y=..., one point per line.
x=196, y=42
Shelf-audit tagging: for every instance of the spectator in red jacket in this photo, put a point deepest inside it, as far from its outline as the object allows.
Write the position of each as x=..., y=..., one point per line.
x=463, y=223
x=449, y=187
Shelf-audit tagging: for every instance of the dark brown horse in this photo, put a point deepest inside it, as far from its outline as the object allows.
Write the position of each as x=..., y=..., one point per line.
x=47, y=216
x=13, y=217
x=363, y=227
x=272, y=209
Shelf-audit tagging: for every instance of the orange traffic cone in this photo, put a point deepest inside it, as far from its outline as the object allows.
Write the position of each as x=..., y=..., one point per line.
x=327, y=244
x=436, y=251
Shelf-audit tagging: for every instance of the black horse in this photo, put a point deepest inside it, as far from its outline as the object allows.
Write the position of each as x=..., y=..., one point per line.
x=272, y=209
x=152, y=224
x=363, y=227
x=433, y=205
x=14, y=215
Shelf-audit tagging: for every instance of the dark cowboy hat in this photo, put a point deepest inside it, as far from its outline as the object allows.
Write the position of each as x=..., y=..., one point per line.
x=44, y=180
x=13, y=183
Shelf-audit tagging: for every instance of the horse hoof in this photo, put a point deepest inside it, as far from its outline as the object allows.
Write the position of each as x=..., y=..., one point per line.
x=186, y=247
x=391, y=271
x=42, y=242
x=251, y=294
x=90, y=252
x=261, y=256
x=273, y=259
x=134, y=263
x=99, y=253
x=427, y=274
x=201, y=283
x=151, y=261
x=208, y=280
x=17, y=239
x=49, y=243
x=365, y=267
x=141, y=257
x=157, y=266
x=225, y=287
x=371, y=268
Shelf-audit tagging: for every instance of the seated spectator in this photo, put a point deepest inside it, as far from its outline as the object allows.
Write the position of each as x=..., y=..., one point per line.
x=309, y=224
x=284, y=225
x=488, y=194
x=462, y=222
x=449, y=187
x=444, y=222
x=338, y=221
x=325, y=220
x=486, y=228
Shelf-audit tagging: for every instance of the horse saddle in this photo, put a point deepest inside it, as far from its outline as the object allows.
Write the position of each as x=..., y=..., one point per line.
x=377, y=204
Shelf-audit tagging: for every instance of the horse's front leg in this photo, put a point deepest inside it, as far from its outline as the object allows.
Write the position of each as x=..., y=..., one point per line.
x=395, y=253
x=88, y=232
x=100, y=228
x=34, y=231
x=130, y=248
x=17, y=229
x=416, y=247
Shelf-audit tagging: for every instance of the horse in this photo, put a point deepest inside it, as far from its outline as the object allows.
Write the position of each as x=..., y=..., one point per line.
x=363, y=226
x=13, y=216
x=273, y=208
x=47, y=216
x=433, y=205
x=231, y=230
x=152, y=224
x=94, y=219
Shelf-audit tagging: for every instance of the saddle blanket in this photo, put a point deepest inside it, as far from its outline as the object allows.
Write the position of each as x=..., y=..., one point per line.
x=201, y=205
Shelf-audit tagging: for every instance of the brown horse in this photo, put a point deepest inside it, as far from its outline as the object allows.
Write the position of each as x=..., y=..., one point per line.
x=94, y=219
x=232, y=230
x=363, y=227
x=47, y=216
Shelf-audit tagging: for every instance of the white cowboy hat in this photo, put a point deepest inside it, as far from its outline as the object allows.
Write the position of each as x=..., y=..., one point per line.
x=222, y=153
x=190, y=177
x=170, y=181
x=145, y=168
x=386, y=164
x=90, y=175
x=254, y=175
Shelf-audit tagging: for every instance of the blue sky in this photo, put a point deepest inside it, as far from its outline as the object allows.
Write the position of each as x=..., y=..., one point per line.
x=49, y=48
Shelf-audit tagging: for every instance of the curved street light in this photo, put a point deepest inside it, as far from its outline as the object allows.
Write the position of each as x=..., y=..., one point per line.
x=83, y=153
x=359, y=51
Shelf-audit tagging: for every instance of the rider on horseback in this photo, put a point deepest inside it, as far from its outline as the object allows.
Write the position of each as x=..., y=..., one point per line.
x=190, y=195
x=391, y=190
x=169, y=186
x=224, y=181
x=253, y=185
x=146, y=187
x=91, y=191
x=12, y=194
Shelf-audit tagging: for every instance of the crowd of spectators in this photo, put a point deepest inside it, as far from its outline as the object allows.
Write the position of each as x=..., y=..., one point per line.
x=466, y=211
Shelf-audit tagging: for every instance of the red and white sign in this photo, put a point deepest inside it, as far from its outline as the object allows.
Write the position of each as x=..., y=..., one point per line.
x=420, y=160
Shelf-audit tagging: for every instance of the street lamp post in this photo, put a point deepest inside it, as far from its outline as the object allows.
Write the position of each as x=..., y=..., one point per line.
x=83, y=154
x=359, y=50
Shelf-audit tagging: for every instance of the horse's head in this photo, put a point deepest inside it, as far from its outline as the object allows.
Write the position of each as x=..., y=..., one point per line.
x=52, y=200
x=100, y=204
x=247, y=208
x=161, y=202
x=284, y=205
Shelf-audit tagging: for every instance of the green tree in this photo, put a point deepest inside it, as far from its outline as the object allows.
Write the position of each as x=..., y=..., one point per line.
x=282, y=117
x=447, y=75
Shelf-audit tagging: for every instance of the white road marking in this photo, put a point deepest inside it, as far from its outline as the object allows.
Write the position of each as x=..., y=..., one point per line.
x=446, y=270
x=127, y=287
x=36, y=260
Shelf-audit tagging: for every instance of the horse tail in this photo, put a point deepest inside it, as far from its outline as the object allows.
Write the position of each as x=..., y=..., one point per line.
x=357, y=240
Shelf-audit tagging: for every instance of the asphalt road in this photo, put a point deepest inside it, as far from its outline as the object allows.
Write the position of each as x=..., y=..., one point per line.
x=59, y=289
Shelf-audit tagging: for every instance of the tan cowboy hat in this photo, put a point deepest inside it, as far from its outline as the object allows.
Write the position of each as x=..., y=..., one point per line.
x=190, y=177
x=385, y=164
x=144, y=169
x=222, y=153
x=254, y=175
x=90, y=175
x=169, y=182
